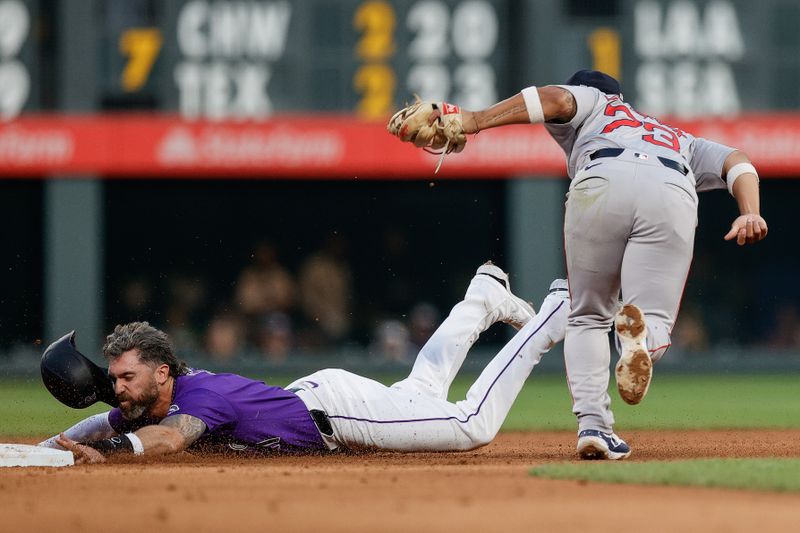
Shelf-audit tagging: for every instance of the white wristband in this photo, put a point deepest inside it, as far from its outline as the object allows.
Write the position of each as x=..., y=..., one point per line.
x=138, y=447
x=736, y=171
x=534, y=105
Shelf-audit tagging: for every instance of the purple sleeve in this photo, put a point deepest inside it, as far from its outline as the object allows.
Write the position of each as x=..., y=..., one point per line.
x=210, y=407
x=120, y=425
x=116, y=421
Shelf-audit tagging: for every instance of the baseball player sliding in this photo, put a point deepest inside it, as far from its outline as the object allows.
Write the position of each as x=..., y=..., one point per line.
x=631, y=213
x=165, y=407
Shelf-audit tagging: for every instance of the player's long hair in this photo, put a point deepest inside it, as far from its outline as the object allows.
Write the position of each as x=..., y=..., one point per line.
x=152, y=344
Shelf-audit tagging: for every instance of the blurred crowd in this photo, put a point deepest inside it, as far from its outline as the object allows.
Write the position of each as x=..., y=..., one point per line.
x=271, y=311
x=692, y=333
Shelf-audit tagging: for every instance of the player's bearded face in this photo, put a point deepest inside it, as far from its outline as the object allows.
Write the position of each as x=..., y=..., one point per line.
x=133, y=405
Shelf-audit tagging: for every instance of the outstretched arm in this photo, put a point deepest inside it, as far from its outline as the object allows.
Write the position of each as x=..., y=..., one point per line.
x=749, y=227
x=556, y=105
x=95, y=427
x=442, y=126
x=174, y=434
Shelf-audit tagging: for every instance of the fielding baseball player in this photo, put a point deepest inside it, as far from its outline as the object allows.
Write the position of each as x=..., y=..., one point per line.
x=631, y=213
x=165, y=407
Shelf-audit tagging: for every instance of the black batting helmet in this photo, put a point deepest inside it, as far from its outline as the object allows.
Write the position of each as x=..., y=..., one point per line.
x=73, y=379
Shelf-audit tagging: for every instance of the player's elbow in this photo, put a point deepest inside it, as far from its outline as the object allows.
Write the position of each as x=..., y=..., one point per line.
x=558, y=104
x=174, y=442
x=161, y=440
x=733, y=159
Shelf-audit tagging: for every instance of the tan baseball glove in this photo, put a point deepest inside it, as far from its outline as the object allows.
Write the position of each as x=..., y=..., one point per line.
x=431, y=126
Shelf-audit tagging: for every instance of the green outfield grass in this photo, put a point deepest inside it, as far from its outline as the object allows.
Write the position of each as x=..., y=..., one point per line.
x=753, y=474
x=27, y=409
x=674, y=402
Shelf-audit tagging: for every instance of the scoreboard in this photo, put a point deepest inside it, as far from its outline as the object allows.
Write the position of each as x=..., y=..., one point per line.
x=249, y=59
x=696, y=58
x=19, y=64
x=223, y=59
x=245, y=59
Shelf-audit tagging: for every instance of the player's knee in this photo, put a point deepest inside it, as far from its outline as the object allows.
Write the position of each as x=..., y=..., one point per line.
x=589, y=321
x=483, y=440
x=474, y=444
x=658, y=338
x=658, y=352
x=479, y=435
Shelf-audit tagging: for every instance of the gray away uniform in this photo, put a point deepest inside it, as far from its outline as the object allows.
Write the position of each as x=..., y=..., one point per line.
x=629, y=226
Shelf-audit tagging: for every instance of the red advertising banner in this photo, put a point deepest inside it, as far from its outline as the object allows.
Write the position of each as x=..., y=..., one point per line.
x=328, y=146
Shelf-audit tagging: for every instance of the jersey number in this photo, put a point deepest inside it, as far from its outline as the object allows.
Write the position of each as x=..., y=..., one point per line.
x=667, y=137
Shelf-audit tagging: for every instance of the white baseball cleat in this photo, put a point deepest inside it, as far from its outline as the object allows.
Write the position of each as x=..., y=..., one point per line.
x=499, y=300
x=635, y=368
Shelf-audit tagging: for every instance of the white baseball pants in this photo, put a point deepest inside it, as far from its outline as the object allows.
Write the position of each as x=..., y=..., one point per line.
x=414, y=414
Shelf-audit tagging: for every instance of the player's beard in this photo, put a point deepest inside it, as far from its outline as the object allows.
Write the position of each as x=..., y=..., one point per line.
x=140, y=406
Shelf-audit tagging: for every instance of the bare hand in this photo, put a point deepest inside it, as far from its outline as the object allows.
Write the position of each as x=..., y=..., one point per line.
x=747, y=229
x=84, y=455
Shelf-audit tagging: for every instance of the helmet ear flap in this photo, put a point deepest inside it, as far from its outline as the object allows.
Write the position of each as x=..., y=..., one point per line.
x=72, y=378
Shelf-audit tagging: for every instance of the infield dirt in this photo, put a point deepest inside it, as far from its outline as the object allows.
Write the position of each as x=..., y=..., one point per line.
x=485, y=490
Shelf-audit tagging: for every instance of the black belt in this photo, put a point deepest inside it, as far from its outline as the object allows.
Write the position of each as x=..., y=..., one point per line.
x=615, y=152
x=322, y=422
x=320, y=418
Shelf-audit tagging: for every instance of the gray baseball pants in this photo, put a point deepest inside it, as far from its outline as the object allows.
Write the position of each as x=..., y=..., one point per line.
x=629, y=226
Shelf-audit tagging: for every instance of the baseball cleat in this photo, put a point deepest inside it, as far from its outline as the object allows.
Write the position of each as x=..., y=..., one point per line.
x=593, y=444
x=635, y=368
x=511, y=309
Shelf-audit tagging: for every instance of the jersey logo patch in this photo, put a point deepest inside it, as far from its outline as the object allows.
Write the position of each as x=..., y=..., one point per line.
x=174, y=408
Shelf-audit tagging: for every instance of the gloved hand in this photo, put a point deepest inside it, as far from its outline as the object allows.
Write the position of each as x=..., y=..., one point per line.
x=431, y=126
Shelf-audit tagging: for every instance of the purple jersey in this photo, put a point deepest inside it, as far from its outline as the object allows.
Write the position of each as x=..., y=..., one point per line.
x=240, y=414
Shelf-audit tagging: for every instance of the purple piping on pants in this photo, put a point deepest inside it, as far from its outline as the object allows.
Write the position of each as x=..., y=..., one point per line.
x=478, y=410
